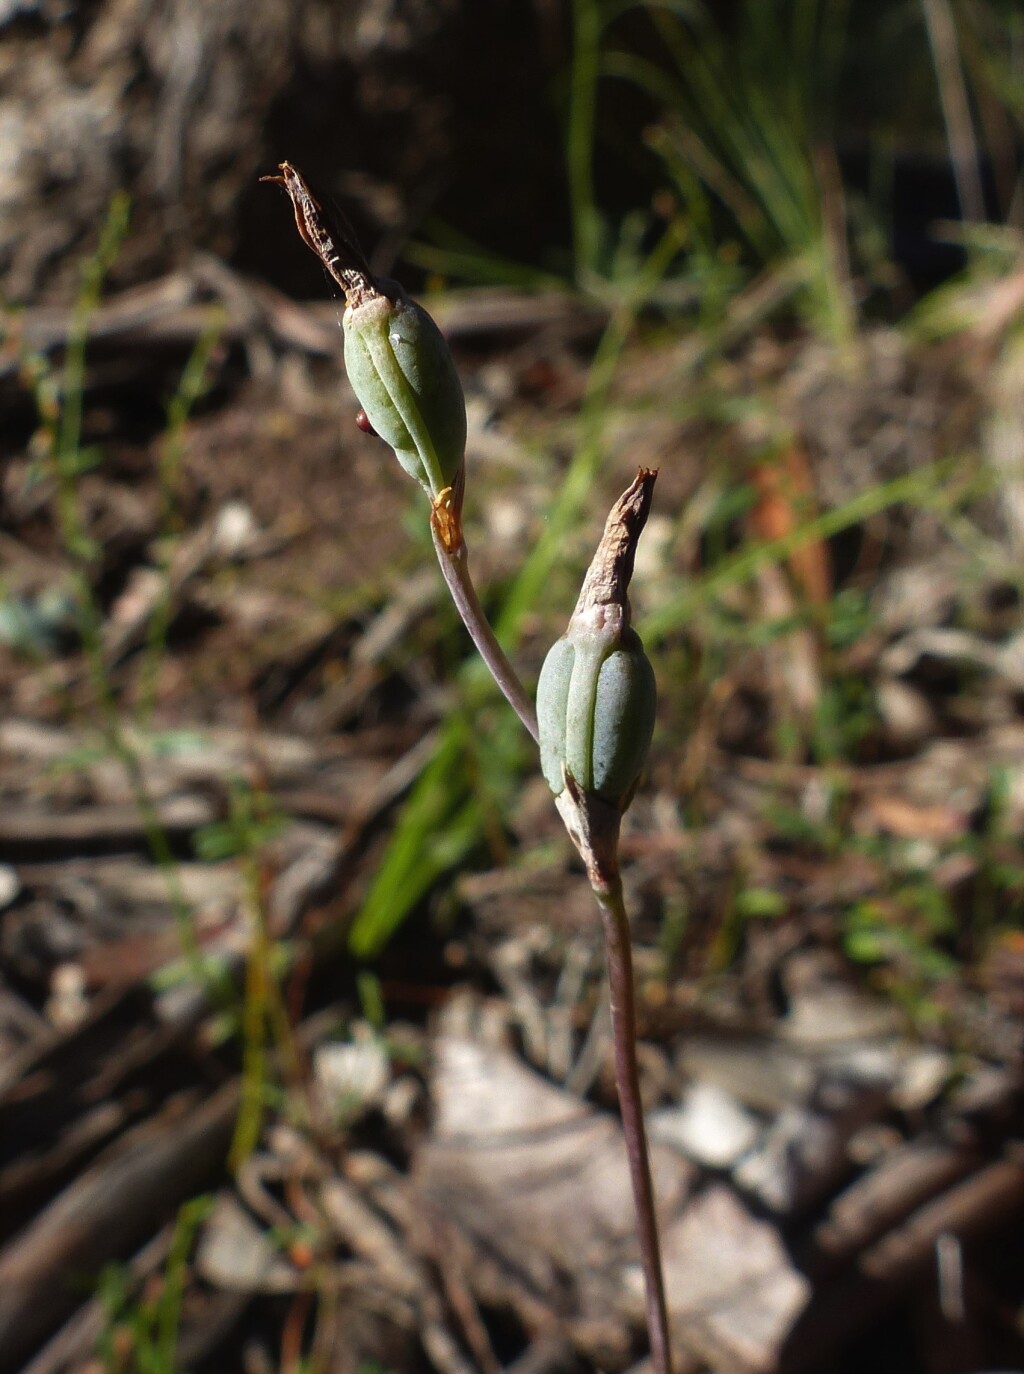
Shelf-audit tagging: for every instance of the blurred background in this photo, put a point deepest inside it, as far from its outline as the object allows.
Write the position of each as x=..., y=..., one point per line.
x=304, y=1051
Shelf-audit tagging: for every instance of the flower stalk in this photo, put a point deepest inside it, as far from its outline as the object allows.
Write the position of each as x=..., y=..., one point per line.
x=453, y=557
x=596, y=694
x=595, y=705
x=410, y=395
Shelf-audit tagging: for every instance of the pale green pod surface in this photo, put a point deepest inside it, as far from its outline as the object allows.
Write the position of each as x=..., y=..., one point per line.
x=552, y=699
x=623, y=721
x=591, y=651
x=595, y=714
x=402, y=372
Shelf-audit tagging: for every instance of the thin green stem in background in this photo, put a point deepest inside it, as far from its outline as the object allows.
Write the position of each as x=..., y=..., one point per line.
x=250, y=823
x=744, y=123
x=921, y=487
x=141, y=1327
x=168, y=1322
x=193, y=383
x=580, y=135
x=259, y=982
x=583, y=470
x=61, y=409
x=69, y=429
x=956, y=108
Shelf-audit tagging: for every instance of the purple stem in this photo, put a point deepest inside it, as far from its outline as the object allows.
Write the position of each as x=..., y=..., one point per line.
x=620, y=982
x=455, y=567
x=608, y=891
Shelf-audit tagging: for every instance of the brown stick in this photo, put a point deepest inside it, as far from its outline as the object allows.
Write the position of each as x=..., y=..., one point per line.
x=987, y=1201
x=106, y=1213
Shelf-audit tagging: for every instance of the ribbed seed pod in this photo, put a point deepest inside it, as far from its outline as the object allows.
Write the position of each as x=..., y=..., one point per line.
x=595, y=713
x=402, y=372
x=596, y=696
x=397, y=359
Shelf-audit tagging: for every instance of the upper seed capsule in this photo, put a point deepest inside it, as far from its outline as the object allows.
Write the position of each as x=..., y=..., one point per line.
x=397, y=359
x=402, y=372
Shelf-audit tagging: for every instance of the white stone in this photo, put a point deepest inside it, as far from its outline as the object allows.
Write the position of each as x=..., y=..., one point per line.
x=796, y=1157
x=709, y=1126
x=733, y=1291
x=10, y=885
x=235, y=529
x=821, y=1017
x=923, y=1075
x=351, y=1077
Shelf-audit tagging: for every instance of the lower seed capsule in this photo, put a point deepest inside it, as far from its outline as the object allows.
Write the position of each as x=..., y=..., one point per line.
x=595, y=713
x=596, y=696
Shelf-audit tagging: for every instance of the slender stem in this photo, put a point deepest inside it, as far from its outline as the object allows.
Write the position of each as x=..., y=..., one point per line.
x=455, y=567
x=580, y=134
x=956, y=109
x=620, y=981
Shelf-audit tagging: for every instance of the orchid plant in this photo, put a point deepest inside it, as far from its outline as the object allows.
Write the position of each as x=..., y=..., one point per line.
x=595, y=704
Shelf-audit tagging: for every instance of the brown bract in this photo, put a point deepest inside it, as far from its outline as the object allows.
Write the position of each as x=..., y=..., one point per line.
x=446, y=514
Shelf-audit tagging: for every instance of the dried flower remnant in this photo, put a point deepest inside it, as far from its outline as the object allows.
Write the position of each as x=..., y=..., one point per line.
x=335, y=244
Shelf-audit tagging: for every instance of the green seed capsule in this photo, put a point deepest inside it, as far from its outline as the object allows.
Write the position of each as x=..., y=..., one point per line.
x=397, y=360
x=552, y=706
x=596, y=701
x=403, y=375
